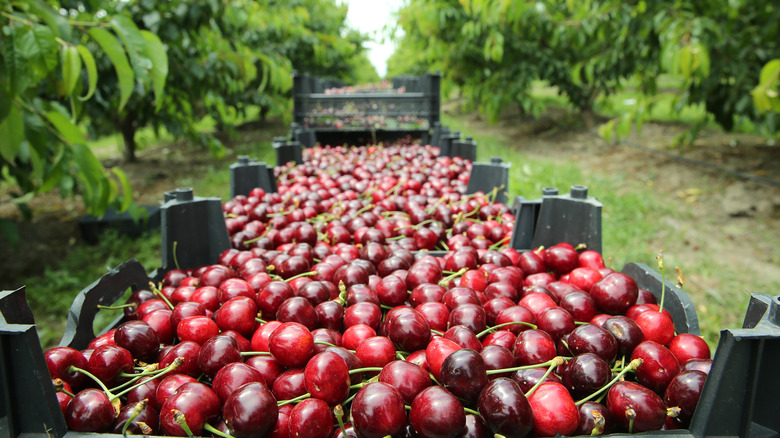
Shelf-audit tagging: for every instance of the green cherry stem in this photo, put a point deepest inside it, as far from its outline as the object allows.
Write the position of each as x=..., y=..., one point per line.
x=181, y=420
x=74, y=369
x=505, y=324
x=293, y=400
x=471, y=411
x=556, y=361
x=137, y=409
x=255, y=353
x=365, y=369
x=633, y=365
x=175, y=364
x=525, y=367
x=215, y=431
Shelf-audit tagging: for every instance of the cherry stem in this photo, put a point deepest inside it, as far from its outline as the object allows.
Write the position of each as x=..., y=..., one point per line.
x=436, y=332
x=175, y=364
x=446, y=280
x=660, y=258
x=156, y=291
x=261, y=320
x=557, y=361
x=59, y=386
x=525, y=367
x=500, y=243
x=175, y=258
x=470, y=411
x=293, y=400
x=215, y=431
x=328, y=344
x=255, y=353
x=118, y=307
x=302, y=274
x=633, y=365
x=75, y=369
x=631, y=414
x=504, y=324
x=181, y=420
x=139, y=407
x=364, y=369
x=338, y=412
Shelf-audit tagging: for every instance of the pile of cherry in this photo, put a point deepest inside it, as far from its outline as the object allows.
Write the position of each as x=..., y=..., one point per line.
x=326, y=320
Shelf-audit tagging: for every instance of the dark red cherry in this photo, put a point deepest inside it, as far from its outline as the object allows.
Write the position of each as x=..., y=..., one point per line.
x=591, y=338
x=658, y=368
x=463, y=373
x=326, y=377
x=405, y=376
x=378, y=411
x=232, y=376
x=250, y=411
x=311, y=418
x=594, y=419
x=554, y=410
x=684, y=392
x=585, y=373
x=217, y=352
x=436, y=413
x=615, y=293
x=632, y=403
x=626, y=332
x=90, y=411
x=292, y=344
x=505, y=409
x=529, y=377
x=59, y=361
x=534, y=347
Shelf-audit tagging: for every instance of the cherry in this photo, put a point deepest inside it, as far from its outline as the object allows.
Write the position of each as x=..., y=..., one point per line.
x=271, y=296
x=469, y=315
x=326, y=377
x=436, y=413
x=189, y=351
x=584, y=278
x=591, y=259
x=585, y=374
x=149, y=306
x=528, y=378
x=89, y=411
x=378, y=411
x=503, y=338
x=108, y=362
x=135, y=299
x=292, y=344
x=556, y=321
x=216, y=353
x=561, y=259
x=594, y=419
x=494, y=306
x=534, y=347
x=519, y=314
x=590, y=338
x=554, y=410
x=426, y=292
x=463, y=373
x=376, y=351
x=168, y=386
x=615, y=293
x=686, y=346
x=354, y=335
x=196, y=401
x=557, y=289
x=410, y=331
x=363, y=313
x=703, y=365
x=505, y=408
x=250, y=411
x=531, y=263
x=198, y=329
x=289, y=384
x=627, y=333
x=60, y=359
x=464, y=337
x=658, y=368
x=298, y=310
x=684, y=392
x=497, y=357
x=437, y=351
x=436, y=314
x=629, y=403
x=316, y=292
x=311, y=418
x=405, y=376
x=186, y=309
x=501, y=289
x=656, y=327
x=237, y=314
x=268, y=367
x=391, y=291
x=420, y=273
x=460, y=295
x=144, y=422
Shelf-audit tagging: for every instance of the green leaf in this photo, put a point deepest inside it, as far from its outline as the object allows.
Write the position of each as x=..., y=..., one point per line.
x=155, y=51
x=116, y=54
x=5, y=102
x=12, y=133
x=770, y=72
x=46, y=15
x=134, y=42
x=9, y=229
x=92, y=76
x=127, y=190
x=606, y=130
x=94, y=182
x=71, y=68
x=69, y=131
x=38, y=48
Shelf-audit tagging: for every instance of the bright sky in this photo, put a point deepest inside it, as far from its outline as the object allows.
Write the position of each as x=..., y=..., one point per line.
x=370, y=16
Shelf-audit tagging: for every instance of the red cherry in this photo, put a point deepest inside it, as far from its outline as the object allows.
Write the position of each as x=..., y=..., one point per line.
x=686, y=346
x=326, y=377
x=292, y=344
x=658, y=368
x=378, y=411
x=250, y=411
x=656, y=327
x=644, y=405
x=90, y=411
x=554, y=410
x=311, y=418
x=436, y=413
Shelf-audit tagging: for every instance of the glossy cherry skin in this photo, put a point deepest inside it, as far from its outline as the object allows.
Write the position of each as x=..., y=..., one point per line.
x=703, y=365
x=196, y=401
x=376, y=351
x=518, y=314
x=684, y=392
x=556, y=321
x=198, y=329
x=686, y=346
x=289, y=384
x=298, y=310
x=580, y=305
x=534, y=347
x=410, y=331
x=437, y=351
x=107, y=362
x=505, y=408
x=590, y=338
x=232, y=376
x=554, y=410
x=407, y=377
x=139, y=339
x=656, y=327
x=250, y=411
x=469, y=315
x=145, y=423
x=216, y=353
x=658, y=368
x=626, y=331
x=585, y=374
x=436, y=413
x=89, y=411
x=311, y=418
x=326, y=377
x=160, y=321
x=237, y=314
x=529, y=377
x=378, y=411
x=463, y=373
x=647, y=406
x=594, y=419
x=186, y=309
x=168, y=386
x=59, y=360
x=615, y=293
x=464, y=337
x=292, y=344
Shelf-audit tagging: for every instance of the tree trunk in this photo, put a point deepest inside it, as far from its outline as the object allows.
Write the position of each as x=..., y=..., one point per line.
x=127, y=128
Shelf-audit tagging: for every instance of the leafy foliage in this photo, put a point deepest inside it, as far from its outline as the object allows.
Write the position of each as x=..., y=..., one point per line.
x=494, y=50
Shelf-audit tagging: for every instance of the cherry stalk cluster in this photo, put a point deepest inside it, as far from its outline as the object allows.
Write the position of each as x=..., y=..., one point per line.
x=358, y=334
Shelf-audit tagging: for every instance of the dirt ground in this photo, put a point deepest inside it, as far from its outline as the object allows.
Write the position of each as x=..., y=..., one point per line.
x=729, y=215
